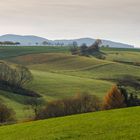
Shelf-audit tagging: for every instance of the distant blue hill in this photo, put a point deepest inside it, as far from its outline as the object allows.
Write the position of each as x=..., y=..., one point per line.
x=24, y=40
x=33, y=40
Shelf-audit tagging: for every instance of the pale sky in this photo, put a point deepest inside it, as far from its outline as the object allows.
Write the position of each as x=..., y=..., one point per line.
x=117, y=20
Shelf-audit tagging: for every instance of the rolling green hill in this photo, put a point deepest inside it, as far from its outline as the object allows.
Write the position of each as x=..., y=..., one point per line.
x=58, y=74
x=121, y=124
x=13, y=51
x=16, y=102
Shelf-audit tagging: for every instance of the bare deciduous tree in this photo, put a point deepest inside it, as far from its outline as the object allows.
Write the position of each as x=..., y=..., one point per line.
x=18, y=76
x=24, y=76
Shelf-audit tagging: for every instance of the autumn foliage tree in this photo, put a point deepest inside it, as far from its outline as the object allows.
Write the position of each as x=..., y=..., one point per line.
x=114, y=99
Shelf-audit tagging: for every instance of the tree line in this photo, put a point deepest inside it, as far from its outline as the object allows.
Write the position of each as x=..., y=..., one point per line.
x=9, y=43
x=116, y=97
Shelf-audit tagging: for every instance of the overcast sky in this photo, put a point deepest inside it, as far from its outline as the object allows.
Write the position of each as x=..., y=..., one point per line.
x=117, y=20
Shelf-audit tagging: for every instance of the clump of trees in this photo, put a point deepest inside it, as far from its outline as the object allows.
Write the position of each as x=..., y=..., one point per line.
x=118, y=97
x=81, y=103
x=85, y=50
x=15, y=78
x=7, y=115
x=129, y=81
x=9, y=43
x=132, y=83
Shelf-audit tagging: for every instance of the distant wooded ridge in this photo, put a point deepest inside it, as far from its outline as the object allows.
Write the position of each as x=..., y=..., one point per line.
x=36, y=40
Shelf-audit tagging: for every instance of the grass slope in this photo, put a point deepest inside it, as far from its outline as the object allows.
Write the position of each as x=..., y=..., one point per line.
x=16, y=102
x=121, y=124
x=13, y=51
x=54, y=85
x=81, y=66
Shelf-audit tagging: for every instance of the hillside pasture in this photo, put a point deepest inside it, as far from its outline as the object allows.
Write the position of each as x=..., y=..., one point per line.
x=16, y=102
x=13, y=51
x=58, y=74
x=120, y=124
x=59, y=85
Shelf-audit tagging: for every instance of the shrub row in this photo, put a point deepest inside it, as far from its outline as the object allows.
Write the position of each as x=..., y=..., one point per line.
x=117, y=97
x=81, y=103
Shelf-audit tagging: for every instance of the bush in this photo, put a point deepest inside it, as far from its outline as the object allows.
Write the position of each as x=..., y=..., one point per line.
x=87, y=103
x=81, y=103
x=7, y=115
x=35, y=103
x=114, y=99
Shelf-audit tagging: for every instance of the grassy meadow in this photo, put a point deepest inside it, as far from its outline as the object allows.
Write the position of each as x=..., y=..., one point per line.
x=120, y=124
x=58, y=74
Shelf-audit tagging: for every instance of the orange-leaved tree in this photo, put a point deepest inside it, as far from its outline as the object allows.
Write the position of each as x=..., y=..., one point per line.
x=114, y=99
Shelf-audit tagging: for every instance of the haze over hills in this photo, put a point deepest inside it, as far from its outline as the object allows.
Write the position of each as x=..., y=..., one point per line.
x=34, y=40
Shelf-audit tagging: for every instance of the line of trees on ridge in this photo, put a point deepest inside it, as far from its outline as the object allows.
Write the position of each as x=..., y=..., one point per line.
x=9, y=43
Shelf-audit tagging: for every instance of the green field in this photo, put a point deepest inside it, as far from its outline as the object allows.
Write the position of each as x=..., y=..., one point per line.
x=58, y=74
x=13, y=51
x=121, y=124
